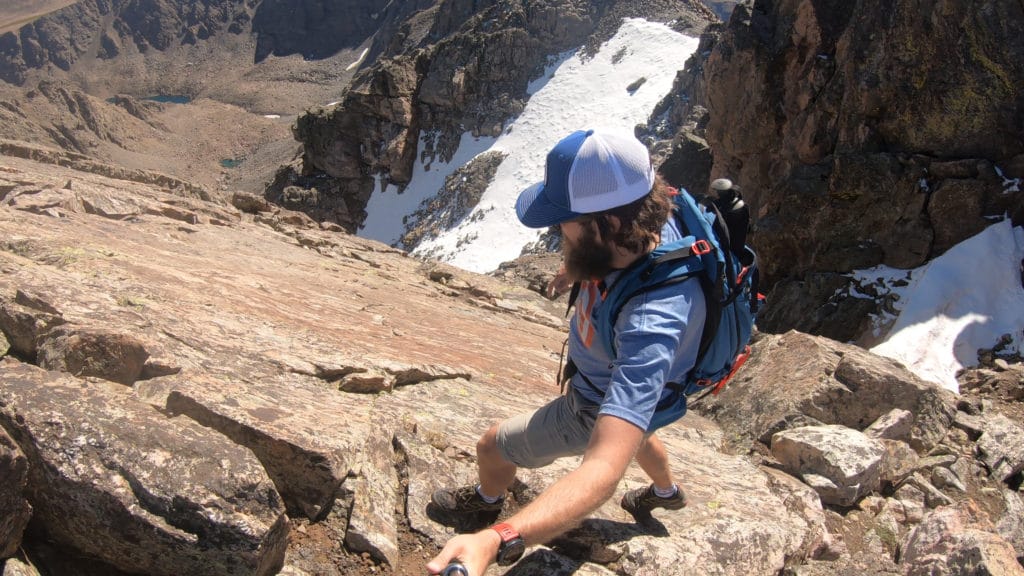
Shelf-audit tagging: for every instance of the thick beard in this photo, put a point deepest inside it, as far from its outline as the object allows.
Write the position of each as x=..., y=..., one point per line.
x=589, y=259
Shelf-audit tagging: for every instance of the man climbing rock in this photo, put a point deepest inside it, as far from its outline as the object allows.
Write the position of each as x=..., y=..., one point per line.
x=602, y=192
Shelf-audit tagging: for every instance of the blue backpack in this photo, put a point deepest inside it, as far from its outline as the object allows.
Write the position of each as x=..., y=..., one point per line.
x=714, y=251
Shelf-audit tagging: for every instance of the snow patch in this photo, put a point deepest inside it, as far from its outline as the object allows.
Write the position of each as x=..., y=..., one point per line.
x=359, y=60
x=574, y=93
x=962, y=301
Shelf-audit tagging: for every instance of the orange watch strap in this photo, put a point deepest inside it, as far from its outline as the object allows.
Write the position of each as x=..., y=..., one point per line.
x=505, y=531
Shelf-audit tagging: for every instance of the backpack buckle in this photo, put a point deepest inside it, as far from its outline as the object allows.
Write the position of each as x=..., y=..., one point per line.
x=701, y=247
x=742, y=275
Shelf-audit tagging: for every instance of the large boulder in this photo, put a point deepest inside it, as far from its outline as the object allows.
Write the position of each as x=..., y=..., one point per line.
x=15, y=511
x=105, y=354
x=840, y=463
x=796, y=379
x=958, y=539
x=116, y=480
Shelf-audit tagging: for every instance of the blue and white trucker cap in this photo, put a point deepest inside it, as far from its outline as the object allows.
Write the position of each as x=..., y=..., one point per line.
x=587, y=171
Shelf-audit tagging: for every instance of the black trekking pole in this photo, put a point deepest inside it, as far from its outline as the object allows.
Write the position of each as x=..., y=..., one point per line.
x=455, y=568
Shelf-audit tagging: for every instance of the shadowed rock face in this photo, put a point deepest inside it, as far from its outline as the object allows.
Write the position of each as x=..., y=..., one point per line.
x=860, y=132
x=319, y=28
x=15, y=510
x=282, y=27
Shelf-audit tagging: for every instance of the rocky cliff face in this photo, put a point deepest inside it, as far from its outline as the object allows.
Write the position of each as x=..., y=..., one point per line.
x=461, y=66
x=312, y=29
x=195, y=383
x=320, y=28
x=865, y=133
x=101, y=28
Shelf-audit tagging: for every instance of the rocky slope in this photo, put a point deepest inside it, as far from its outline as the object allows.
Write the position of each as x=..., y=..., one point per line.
x=293, y=394
x=852, y=152
x=198, y=383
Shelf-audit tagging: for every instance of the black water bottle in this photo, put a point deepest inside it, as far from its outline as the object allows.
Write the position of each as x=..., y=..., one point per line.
x=735, y=212
x=455, y=568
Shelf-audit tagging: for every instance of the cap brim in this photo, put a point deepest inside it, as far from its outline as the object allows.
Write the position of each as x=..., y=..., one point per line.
x=535, y=210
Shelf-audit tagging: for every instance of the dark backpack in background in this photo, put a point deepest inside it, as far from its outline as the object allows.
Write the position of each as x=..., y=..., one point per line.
x=713, y=252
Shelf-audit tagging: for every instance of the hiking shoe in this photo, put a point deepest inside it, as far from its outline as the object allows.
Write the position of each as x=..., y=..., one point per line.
x=641, y=501
x=465, y=500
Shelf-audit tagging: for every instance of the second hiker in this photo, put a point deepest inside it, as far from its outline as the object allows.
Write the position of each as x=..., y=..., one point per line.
x=601, y=190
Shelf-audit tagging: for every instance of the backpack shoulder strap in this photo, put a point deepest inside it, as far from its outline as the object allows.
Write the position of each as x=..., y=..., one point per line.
x=667, y=265
x=699, y=254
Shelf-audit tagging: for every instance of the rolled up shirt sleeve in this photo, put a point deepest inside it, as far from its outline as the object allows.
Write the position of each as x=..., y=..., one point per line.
x=657, y=335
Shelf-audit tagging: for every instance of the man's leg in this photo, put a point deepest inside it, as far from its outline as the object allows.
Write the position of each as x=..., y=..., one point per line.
x=496, y=473
x=653, y=459
x=532, y=440
x=488, y=497
x=663, y=493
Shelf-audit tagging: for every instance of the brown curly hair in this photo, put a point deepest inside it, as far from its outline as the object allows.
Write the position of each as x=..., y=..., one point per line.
x=640, y=221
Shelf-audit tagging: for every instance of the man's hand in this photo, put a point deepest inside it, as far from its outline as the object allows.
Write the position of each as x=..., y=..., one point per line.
x=475, y=551
x=559, y=284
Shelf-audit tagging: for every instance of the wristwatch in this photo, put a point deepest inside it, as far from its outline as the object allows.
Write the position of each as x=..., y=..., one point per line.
x=512, y=546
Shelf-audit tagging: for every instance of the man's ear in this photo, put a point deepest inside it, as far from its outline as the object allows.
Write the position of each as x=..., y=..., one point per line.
x=614, y=223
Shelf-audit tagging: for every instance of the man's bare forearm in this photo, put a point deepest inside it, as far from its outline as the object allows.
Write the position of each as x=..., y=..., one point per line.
x=565, y=503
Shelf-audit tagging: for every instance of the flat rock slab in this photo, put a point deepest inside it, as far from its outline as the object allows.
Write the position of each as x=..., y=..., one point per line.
x=115, y=479
x=309, y=437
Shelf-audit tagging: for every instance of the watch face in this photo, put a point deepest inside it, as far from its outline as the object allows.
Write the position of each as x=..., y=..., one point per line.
x=511, y=551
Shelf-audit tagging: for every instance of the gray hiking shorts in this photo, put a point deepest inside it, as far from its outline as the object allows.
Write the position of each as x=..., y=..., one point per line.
x=560, y=428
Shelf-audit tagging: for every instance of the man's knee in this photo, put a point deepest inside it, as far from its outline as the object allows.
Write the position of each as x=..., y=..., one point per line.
x=487, y=445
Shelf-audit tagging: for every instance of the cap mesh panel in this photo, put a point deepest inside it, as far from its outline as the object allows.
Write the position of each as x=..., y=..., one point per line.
x=591, y=175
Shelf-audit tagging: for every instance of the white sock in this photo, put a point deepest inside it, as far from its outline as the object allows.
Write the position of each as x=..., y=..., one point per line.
x=663, y=492
x=486, y=498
